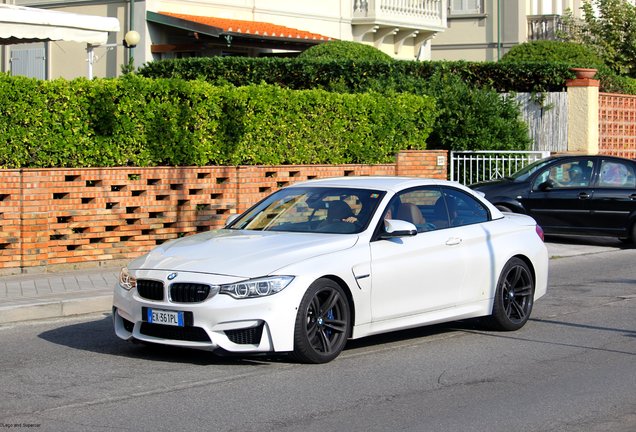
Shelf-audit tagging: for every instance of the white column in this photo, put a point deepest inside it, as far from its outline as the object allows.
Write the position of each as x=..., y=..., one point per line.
x=90, y=58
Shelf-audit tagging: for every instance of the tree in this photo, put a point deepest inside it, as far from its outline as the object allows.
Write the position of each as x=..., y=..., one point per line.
x=610, y=27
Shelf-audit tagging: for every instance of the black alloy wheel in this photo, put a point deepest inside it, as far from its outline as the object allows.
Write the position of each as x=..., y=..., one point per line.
x=322, y=324
x=514, y=297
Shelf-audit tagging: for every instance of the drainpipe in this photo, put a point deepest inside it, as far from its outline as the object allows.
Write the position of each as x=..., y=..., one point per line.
x=498, y=30
x=131, y=26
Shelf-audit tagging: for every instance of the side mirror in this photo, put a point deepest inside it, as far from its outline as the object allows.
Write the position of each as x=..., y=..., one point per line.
x=231, y=219
x=546, y=185
x=394, y=228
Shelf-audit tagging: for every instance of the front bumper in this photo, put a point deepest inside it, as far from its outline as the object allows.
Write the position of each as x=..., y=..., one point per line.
x=251, y=325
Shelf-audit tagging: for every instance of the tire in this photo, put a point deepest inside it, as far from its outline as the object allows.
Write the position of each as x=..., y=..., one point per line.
x=631, y=236
x=322, y=323
x=503, y=208
x=514, y=297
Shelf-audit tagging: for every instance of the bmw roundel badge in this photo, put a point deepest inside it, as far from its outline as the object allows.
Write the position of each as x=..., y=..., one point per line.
x=172, y=276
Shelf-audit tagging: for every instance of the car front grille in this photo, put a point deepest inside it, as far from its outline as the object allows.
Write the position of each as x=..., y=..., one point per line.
x=190, y=334
x=150, y=289
x=248, y=336
x=189, y=292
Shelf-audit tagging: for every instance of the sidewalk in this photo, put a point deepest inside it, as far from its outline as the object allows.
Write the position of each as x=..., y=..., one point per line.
x=28, y=297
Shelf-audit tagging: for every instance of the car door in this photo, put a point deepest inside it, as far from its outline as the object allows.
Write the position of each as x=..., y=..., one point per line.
x=559, y=200
x=425, y=272
x=614, y=197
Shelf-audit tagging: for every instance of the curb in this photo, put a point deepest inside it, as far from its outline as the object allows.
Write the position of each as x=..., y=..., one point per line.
x=55, y=309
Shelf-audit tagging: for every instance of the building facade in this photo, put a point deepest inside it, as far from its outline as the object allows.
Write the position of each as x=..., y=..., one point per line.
x=403, y=29
x=484, y=30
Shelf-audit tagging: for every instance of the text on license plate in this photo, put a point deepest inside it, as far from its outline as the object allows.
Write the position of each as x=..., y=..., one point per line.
x=165, y=317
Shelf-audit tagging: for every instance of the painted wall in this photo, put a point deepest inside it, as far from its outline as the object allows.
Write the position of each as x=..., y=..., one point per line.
x=502, y=23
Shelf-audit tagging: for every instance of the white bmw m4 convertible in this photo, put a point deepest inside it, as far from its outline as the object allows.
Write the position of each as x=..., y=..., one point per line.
x=324, y=261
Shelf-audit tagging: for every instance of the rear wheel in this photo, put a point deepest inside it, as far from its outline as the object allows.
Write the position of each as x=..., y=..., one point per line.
x=503, y=208
x=513, y=298
x=322, y=324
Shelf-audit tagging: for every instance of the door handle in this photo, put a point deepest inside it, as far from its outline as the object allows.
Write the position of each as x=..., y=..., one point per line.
x=632, y=197
x=453, y=241
x=584, y=196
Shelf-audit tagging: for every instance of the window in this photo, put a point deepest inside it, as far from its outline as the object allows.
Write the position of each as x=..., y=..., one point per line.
x=465, y=7
x=616, y=174
x=463, y=209
x=568, y=174
x=429, y=208
x=312, y=209
x=416, y=206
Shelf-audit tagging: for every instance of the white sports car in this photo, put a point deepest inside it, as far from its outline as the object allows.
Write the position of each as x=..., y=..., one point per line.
x=324, y=261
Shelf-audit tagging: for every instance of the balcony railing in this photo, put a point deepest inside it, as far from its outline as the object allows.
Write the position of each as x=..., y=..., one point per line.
x=412, y=13
x=544, y=27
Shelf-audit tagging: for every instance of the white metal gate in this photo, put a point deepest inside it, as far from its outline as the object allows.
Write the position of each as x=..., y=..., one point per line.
x=469, y=167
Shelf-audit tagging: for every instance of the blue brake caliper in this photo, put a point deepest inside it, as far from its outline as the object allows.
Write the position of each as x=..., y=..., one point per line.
x=331, y=316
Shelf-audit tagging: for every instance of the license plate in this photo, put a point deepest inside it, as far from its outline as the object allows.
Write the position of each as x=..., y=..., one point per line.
x=171, y=318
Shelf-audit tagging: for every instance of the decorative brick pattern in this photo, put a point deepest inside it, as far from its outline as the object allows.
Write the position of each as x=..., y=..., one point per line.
x=617, y=125
x=51, y=217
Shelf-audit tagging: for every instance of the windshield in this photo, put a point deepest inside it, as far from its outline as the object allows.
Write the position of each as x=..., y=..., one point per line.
x=312, y=209
x=528, y=170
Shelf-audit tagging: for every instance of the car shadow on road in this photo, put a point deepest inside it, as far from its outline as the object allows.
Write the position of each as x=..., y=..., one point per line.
x=99, y=337
x=588, y=241
x=412, y=334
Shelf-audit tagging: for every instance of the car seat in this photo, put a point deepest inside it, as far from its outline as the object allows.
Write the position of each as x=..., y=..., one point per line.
x=410, y=213
x=440, y=214
x=338, y=211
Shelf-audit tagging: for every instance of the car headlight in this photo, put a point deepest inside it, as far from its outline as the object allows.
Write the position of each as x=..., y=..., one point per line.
x=126, y=281
x=260, y=287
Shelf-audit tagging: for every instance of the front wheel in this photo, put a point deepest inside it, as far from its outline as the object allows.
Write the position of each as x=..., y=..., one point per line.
x=632, y=235
x=322, y=323
x=513, y=298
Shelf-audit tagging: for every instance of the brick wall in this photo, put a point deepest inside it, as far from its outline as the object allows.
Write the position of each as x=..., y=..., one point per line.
x=62, y=217
x=617, y=125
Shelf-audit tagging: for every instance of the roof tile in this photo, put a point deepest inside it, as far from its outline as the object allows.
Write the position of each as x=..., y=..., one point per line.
x=250, y=27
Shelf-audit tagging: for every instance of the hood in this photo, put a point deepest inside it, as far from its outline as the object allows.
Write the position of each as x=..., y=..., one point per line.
x=244, y=254
x=503, y=188
x=491, y=183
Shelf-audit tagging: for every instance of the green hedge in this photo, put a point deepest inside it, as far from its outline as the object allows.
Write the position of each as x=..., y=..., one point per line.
x=349, y=50
x=361, y=76
x=554, y=51
x=147, y=122
x=355, y=76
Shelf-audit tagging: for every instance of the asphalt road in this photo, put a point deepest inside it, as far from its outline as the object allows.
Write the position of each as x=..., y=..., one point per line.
x=572, y=368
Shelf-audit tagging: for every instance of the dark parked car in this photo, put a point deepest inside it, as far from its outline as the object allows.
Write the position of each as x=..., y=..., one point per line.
x=588, y=195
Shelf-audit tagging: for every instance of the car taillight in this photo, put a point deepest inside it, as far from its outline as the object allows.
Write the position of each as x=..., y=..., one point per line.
x=539, y=231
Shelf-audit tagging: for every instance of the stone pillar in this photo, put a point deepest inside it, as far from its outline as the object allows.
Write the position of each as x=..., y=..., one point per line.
x=583, y=112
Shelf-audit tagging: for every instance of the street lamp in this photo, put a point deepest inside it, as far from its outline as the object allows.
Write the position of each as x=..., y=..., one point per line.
x=131, y=39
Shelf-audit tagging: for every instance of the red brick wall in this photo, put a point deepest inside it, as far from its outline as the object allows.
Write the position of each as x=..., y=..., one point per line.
x=617, y=125
x=55, y=217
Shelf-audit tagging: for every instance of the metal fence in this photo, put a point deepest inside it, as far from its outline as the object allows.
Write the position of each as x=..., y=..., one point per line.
x=469, y=167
